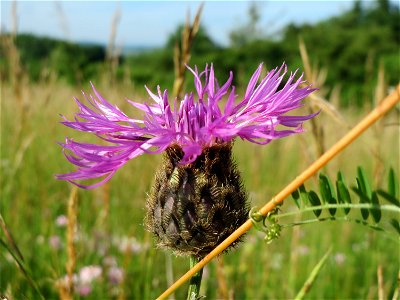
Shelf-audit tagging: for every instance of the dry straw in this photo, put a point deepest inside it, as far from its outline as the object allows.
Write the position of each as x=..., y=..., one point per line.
x=112, y=52
x=71, y=252
x=383, y=107
x=182, y=52
x=379, y=273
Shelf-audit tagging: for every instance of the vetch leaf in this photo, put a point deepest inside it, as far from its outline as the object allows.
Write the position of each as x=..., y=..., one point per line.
x=343, y=195
x=395, y=223
x=389, y=197
x=315, y=201
x=363, y=199
x=327, y=192
x=364, y=185
x=393, y=184
x=296, y=198
x=375, y=212
x=340, y=177
x=303, y=194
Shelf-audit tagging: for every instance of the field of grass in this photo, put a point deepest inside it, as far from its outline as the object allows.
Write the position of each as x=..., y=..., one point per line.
x=109, y=233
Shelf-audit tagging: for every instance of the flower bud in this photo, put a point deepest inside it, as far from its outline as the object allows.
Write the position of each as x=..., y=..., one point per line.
x=194, y=207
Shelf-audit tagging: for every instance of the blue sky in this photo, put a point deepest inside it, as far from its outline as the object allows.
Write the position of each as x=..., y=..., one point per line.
x=149, y=23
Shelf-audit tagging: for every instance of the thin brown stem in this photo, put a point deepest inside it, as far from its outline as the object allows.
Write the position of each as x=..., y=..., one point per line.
x=71, y=251
x=381, y=293
x=221, y=278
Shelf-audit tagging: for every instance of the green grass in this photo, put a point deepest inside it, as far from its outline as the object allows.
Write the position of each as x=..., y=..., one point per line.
x=31, y=200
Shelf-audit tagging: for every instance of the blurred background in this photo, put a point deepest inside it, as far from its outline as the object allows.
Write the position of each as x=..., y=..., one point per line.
x=72, y=40
x=51, y=50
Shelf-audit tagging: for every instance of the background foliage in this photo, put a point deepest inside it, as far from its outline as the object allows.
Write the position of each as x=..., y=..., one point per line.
x=350, y=46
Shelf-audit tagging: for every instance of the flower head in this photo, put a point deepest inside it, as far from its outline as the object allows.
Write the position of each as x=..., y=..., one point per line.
x=89, y=273
x=62, y=221
x=198, y=122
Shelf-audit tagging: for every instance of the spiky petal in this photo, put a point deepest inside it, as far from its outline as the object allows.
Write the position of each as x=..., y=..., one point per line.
x=198, y=122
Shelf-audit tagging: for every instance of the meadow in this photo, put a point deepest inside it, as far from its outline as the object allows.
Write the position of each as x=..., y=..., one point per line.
x=109, y=224
x=98, y=235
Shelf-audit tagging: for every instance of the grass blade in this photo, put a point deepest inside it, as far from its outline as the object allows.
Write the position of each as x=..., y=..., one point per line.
x=23, y=268
x=313, y=276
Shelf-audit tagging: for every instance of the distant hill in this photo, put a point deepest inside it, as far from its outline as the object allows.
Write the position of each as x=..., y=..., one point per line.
x=351, y=47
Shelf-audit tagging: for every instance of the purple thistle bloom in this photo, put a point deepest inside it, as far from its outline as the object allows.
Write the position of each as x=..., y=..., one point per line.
x=197, y=122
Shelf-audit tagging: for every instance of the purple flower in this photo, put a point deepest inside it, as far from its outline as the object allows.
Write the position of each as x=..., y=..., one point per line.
x=55, y=242
x=89, y=273
x=84, y=290
x=197, y=122
x=62, y=221
x=115, y=275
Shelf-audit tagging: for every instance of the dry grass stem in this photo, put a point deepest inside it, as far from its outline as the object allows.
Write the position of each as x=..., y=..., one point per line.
x=10, y=238
x=182, y=52
x=13, y=55
x=71, y=228
x=221, y=278
x=19, y=157
x=379, y=273
x=316, y=129
x=294, y=259
x=62, y=18
x=169, y=271
x=318, y=102
x=389, y=102
x=379, y=166
x=112, y=52
x=329, y=108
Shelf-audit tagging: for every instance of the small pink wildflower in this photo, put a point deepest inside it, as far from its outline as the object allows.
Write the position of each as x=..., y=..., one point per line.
x=115, y=275
x=84, y=290
x=88, y=274
x=61, y=221
x=55, y=242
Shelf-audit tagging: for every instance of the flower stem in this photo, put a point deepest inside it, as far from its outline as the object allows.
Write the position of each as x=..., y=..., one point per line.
x=195, y=281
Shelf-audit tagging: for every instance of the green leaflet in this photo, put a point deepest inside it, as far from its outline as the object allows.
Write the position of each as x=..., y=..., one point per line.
x=376, y=213
x=393, y=184
x=342, y=192
x=363, y=198
x=296, y=198
x=314, y=201
x=327, y=192
x=336, y=195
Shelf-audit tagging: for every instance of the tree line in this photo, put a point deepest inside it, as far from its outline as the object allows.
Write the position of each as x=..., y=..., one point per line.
x=350, y=46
